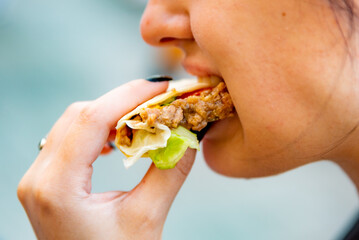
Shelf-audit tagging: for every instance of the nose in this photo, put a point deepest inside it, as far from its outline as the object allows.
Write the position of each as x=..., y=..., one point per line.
x=165, y=23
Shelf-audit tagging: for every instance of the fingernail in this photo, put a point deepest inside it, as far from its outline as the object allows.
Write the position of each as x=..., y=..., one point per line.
x=159, y=78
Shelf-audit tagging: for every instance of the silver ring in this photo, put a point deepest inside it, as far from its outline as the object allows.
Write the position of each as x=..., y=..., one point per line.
x=42, y=143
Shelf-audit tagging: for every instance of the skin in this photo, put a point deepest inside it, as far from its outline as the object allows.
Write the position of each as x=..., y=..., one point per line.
x=294, y=87
x=286, y=66
x=56, y=190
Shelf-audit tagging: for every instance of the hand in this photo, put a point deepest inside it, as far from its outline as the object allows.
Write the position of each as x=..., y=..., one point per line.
x=56, y=190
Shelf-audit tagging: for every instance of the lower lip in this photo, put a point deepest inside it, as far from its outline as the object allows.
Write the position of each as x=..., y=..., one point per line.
x=198, y=70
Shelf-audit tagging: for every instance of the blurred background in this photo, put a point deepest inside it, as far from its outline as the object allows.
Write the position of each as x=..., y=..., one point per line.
x=53, y=53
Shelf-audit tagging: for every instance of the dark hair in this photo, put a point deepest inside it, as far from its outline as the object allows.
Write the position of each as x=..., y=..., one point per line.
x=346, y=15
x=345, y=8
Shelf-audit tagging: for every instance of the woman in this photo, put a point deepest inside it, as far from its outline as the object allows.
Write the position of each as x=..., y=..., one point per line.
x=290, y=67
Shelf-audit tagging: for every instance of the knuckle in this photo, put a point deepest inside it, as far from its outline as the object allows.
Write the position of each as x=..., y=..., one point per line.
x=184, y=166
x=25, y=186
x=39, y=195
x=89, y=114
x=75, y=108
x=183, y=169
x=149, y=220
x=43, y=197
x=146, y=217
x=22, y=190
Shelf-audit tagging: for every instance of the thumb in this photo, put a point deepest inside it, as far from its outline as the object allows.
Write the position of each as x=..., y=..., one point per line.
x=158, y=188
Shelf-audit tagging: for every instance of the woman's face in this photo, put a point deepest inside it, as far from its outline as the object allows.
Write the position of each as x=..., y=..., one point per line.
x=286, y=67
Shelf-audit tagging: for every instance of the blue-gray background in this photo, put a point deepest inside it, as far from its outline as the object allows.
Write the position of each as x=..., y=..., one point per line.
x=53, y=53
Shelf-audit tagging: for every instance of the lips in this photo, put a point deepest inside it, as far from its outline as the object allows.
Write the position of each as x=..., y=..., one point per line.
x=199, y=70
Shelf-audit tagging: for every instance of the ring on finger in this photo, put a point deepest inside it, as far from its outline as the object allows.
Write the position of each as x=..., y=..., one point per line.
x=42, y=143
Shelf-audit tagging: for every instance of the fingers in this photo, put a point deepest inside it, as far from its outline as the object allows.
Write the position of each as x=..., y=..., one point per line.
x=89, y=132
x=109, y=145
x=36, y=177
x=58, y=131
x=158, y=188
x=112, y=135
x=108, y=148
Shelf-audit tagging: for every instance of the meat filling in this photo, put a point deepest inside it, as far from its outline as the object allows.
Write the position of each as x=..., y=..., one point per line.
x=193, y=112
x=126, y=136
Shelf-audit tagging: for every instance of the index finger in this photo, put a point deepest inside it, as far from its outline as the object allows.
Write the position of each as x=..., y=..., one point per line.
x=89, y=132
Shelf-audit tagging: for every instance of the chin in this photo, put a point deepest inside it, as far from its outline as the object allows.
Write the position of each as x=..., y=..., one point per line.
x=219, y=166
x=222, y=148
x=231, y=161
x=224, y=162
x=226, y=152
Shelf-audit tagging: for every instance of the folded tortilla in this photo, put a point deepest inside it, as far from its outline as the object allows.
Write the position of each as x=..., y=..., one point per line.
x=146, y=138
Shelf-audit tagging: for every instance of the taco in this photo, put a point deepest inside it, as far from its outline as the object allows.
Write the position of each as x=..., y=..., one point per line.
x=166, y=125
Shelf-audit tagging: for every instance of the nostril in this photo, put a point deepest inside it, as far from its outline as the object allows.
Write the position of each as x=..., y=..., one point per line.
x=167, y=39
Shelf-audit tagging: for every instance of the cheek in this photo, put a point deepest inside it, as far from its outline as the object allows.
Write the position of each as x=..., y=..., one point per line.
x=281, y=77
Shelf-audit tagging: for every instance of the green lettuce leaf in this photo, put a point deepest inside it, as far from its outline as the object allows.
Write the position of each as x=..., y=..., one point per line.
x=168, y=101
x=177, y=144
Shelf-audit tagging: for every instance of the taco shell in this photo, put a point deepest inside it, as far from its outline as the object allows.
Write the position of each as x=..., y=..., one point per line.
x=146, y=138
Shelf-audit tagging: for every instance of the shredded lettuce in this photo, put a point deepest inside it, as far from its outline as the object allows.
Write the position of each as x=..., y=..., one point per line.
x=177, y=144
x=168, y=101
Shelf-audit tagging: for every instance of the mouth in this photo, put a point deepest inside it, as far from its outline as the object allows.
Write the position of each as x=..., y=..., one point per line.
x=202, y=72
x=199, y=70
